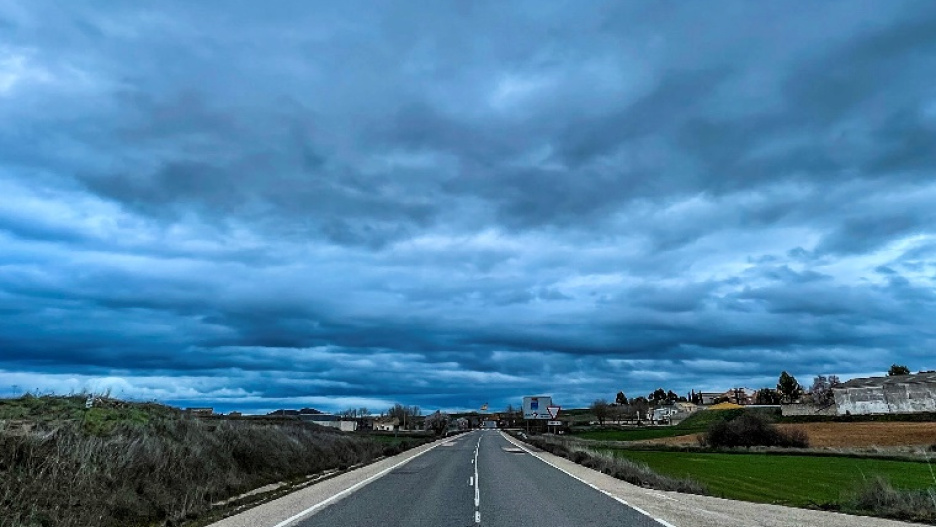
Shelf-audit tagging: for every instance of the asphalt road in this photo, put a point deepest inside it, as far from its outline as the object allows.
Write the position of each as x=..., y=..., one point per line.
x=477, y=479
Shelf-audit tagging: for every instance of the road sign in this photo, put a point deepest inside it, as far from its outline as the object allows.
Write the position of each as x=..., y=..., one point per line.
x=554, y=423
x=553, y=411
x=535, y=407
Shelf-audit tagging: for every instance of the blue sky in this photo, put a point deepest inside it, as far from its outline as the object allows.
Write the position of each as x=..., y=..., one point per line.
x=450, y=203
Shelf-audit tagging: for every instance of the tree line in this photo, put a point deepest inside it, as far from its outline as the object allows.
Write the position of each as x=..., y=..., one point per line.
x=788, y=390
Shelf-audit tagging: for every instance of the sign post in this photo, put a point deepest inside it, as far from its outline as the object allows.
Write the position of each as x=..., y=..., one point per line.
x=553, y=413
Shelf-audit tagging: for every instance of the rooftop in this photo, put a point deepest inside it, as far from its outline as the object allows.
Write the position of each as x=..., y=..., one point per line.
x=872, y=382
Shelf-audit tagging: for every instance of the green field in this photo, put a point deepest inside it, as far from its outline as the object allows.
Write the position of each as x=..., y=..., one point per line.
x=694, y=424
x=799, y=481
x=631, y=434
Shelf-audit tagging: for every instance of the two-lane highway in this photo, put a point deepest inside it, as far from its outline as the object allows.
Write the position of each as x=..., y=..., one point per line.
x=479, y=478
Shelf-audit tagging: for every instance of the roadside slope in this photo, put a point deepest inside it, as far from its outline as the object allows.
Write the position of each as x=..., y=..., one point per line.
x=294, y=506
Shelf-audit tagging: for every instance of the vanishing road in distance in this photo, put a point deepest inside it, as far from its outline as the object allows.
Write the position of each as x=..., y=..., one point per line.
x=478, y=478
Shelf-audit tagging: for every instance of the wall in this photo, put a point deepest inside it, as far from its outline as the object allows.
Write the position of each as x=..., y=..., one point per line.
x=807, y=409
x=887, y=399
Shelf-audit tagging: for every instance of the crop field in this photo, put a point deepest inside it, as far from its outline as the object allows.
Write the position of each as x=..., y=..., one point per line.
x=695, y=424
x=862, y=435
x=829, y=435
x=799, y=481
x=629, y=434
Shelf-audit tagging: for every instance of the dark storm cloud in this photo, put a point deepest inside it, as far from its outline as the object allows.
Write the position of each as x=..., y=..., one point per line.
x=449, y=204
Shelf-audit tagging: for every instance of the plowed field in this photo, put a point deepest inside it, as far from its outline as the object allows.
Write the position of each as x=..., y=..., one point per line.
x=867, y=434
x=845, y=435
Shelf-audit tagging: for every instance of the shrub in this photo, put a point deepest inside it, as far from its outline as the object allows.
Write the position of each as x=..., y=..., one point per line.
x=159, y=473
x=751, y=429
x=878, y=497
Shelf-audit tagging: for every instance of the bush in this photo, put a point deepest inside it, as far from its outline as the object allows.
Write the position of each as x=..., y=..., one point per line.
x=878, y=497
x=161, y=473
x=751, y=429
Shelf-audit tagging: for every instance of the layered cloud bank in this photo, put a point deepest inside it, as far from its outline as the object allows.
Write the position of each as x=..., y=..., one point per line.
x=448, y=204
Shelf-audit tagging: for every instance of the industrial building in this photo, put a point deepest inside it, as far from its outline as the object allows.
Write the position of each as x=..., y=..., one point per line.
x=899, y=394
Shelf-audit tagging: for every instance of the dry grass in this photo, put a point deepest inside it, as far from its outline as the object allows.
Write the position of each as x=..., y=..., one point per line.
x=160, y=471
x=878, y=497
x=862, y=435
x=615, y=466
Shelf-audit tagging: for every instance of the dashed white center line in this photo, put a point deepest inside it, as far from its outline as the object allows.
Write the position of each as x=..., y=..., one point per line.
x=477, y=487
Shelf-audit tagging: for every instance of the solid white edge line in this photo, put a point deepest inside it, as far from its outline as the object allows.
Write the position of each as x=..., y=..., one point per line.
x=352, y=488
x=606, y=493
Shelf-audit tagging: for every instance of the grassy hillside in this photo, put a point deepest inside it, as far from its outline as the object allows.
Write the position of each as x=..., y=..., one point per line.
x=129, y=464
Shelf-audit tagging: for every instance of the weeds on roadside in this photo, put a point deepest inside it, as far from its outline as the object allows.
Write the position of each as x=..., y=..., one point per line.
x=138, y=472
x=879, y=498
x=616, y=467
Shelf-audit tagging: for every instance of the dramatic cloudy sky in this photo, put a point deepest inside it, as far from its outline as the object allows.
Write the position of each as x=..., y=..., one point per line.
x=255, y=205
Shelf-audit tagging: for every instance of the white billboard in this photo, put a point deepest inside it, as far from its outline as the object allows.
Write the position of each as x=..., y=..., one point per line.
x=535, y=407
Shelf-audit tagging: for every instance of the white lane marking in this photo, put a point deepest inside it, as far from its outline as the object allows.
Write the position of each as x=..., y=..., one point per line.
x=477, y=483
x=606, y=493
x=477, y=490
x=351, y=489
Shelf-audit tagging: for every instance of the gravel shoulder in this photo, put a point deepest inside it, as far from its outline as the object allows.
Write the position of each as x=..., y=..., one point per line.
x=689, y=510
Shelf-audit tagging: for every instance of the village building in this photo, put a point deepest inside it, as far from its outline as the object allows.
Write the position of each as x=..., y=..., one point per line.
x=672, y=413
x=386, y=424
x=330, y=420
x=898, y=394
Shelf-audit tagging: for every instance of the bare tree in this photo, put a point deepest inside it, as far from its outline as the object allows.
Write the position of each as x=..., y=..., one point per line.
x=766, y=396
x=616, y=412
x=437, y=422
x=640, y=405
x=821, y=389
x=600, y=408
x=406, y=414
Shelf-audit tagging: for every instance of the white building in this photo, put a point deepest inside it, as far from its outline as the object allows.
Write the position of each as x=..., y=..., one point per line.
x=330, y=420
